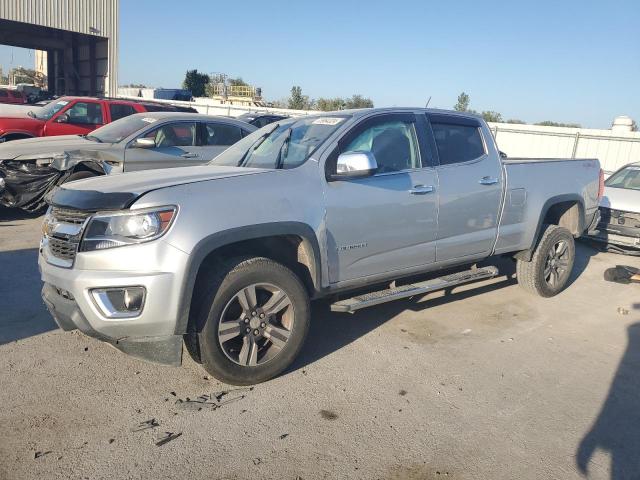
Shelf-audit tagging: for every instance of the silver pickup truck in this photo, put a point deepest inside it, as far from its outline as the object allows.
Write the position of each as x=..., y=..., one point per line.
x=226, y=257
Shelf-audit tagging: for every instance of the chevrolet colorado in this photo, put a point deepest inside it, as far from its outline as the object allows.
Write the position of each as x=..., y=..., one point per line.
x=226, y=257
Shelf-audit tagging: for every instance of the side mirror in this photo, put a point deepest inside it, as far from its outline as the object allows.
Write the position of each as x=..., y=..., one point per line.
x=144, y=143
x=502, y=154
x=355, y=165
x=64, y=118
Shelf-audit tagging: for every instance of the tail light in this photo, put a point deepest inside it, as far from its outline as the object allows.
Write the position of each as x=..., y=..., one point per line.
x=601, y=185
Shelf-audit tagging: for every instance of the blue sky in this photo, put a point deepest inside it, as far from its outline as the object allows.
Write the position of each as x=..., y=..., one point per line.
x=570, y=61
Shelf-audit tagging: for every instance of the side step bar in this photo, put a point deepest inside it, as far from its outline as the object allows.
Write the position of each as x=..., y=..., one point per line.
x=419, y=288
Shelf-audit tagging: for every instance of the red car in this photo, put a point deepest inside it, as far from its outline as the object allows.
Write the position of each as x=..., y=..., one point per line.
x=73, y=116
x=13, y=97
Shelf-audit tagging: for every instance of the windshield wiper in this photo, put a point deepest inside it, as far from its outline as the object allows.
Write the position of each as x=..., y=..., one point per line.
x=284, y=148
x=92, y=138
x=256, y=144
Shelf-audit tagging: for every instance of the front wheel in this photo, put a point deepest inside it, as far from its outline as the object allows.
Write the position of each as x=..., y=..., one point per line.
x=551, y=264
x=256, y=317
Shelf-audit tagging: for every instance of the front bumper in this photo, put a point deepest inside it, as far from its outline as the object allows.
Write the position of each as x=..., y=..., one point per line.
x=151, y=335
x=620, y=229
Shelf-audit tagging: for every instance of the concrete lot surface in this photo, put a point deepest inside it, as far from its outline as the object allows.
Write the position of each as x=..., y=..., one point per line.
x=487, y=383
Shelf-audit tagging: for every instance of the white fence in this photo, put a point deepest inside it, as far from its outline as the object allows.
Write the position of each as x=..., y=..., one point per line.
x=613, y=148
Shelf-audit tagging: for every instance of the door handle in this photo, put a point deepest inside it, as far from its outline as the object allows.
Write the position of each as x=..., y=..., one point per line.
x=189, y=155
x=488, y=181
x=421, y=189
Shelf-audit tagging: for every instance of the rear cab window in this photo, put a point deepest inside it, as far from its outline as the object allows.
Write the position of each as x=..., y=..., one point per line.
x=221, y=134
x=120, y=110
x=457, y=139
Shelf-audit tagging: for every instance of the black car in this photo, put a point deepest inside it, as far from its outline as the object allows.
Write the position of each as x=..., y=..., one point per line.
x=260, y=119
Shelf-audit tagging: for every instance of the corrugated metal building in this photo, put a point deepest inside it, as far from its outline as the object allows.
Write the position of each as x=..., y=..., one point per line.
x=79, y=36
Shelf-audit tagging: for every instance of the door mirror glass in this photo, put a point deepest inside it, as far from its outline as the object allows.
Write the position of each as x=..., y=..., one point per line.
x=64, y=118
x=355, y=165
x=144, y=142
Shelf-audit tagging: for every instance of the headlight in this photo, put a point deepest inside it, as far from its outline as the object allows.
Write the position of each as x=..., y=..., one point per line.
x=46, y=159
x=108, y=230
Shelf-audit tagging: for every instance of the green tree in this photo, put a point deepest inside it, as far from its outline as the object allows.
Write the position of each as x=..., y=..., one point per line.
x=238, y=82
x=195, y=82
x=358, y=101
x=516, y=121
x=463, y=103
x=298, y=101
x=491, y=116
x=330, y=104
x=549, y=123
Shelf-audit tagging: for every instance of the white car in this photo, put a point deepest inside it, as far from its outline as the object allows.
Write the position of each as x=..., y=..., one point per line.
x=619, y=226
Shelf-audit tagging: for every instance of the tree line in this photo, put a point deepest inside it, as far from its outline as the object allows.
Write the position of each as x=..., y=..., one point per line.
x=298, y=101
x=464, y=101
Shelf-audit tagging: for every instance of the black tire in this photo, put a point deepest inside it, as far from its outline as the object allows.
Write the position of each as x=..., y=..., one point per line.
x=548, y=271
x=224, y=284
x=79, y=175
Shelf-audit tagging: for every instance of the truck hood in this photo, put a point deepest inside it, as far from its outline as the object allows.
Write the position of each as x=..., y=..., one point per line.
x=624, y=199
x=41, y=145
x=120, y=191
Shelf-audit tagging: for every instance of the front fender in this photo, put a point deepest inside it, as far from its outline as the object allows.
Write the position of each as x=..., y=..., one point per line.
x=220, y=239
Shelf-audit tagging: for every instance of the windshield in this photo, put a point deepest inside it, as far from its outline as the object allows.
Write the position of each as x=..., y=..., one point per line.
x=628, y=177
x=49, y=110
x=116, y=131
x=286, y=144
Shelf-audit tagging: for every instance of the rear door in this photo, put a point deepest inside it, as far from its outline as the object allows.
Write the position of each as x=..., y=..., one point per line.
x=215, y=138
x=119, y=110
x=470, y=187
x=175, y=147
x=386, y=222
x=80, y=117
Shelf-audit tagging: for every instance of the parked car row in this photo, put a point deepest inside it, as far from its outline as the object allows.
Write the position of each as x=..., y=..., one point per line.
x=30, y=168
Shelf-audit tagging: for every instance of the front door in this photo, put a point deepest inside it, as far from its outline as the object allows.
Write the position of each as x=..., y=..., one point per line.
x=175, y=146
x=470, y=188
x=388, y=221
x=79, y=118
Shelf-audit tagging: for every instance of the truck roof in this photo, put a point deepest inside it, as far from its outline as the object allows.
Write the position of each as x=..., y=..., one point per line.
x=358, y=112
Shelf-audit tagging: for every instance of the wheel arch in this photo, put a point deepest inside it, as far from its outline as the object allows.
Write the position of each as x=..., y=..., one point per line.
x=292, y=243
x=565, y=210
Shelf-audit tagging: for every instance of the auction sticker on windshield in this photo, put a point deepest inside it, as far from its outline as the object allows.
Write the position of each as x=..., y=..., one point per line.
x=327, y=121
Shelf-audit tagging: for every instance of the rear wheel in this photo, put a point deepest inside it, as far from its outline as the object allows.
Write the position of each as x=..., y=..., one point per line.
x=255, y=319
x=551, y=264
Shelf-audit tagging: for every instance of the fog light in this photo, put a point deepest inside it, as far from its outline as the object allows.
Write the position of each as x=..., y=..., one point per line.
x=119, y=302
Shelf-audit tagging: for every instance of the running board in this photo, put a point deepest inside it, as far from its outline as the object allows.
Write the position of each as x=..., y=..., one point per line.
x=419, y=288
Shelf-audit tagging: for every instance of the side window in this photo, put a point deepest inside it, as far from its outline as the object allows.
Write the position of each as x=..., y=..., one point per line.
x=221, y=134
x=393, y=143
x=119, y=110
x=4, y=93
x=457, y=143
x=85, y=113
x=181, y=134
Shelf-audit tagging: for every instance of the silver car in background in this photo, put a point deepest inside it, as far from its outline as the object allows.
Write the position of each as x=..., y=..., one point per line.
x=619, y=226
x=30, y=168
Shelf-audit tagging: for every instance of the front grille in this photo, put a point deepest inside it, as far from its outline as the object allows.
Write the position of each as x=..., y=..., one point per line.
x=609, y=216
x=64, y=232
x=63, y=249
x=66, y=215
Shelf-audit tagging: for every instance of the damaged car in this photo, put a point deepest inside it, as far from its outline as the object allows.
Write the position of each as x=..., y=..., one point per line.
x=619, y=227
x=30, y=168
